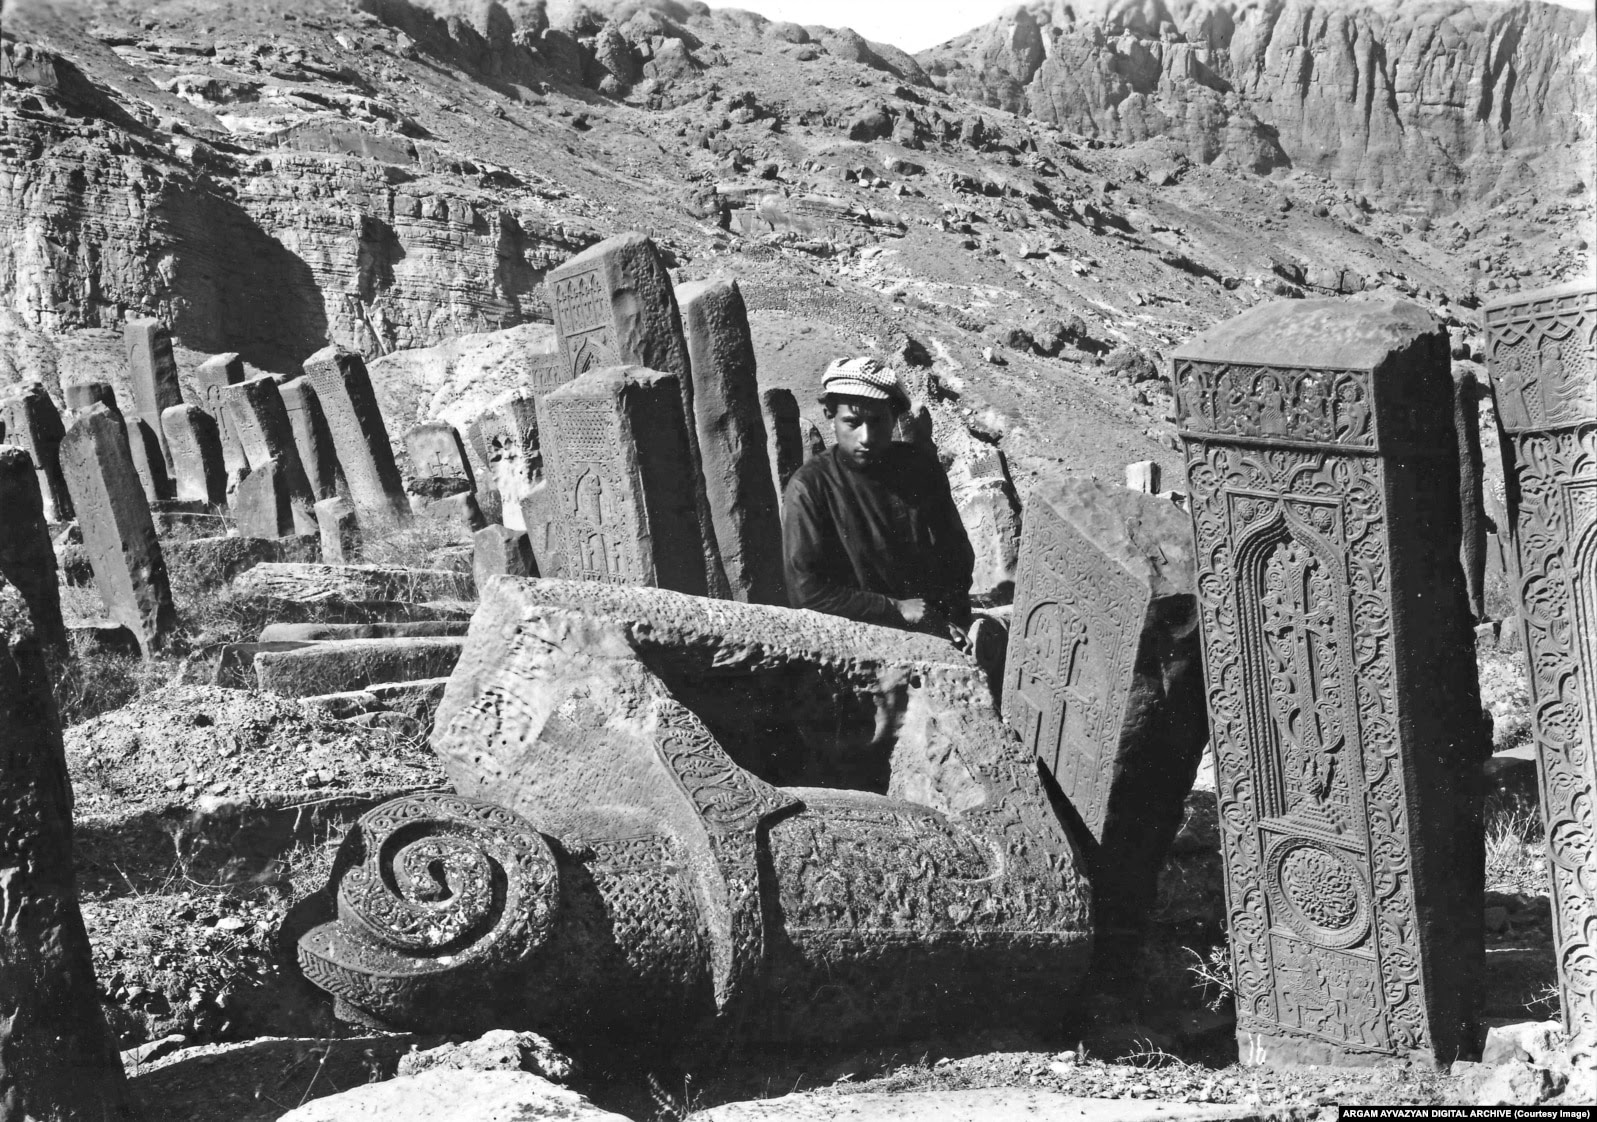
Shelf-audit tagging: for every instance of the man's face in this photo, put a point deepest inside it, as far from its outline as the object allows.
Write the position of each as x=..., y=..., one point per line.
x=863, y=428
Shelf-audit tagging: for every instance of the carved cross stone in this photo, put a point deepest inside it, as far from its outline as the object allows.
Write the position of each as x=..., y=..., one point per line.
x=1543, y=361
x=1343, y=700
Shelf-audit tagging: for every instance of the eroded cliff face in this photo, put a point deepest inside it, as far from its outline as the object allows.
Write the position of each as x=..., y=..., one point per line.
x=1428, y=104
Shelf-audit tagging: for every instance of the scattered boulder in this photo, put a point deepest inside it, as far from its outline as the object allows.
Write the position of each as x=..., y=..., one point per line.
x=444, y=1095
x=498, y=1050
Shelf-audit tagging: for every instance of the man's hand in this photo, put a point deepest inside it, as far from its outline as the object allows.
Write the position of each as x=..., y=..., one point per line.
x=915, y=612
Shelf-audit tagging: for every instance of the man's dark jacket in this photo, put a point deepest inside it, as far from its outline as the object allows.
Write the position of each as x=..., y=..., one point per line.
x=856, y=539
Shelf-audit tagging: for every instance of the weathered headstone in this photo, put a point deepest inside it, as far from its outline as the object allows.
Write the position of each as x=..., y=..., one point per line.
x=260, y=420
x=501, y=551
x=614, y=305
x=80, y=396
x=311, y=436
x=1144, y=476
x=439, y=464
x=27, y=557
x=263, y=506
x=31, y=422
x=1344, y=708
x=509, y=431
x=1104, y=682
x=152, y=370
x=360, y=438
x=733, y=455
x=1543, y=361
x=196, y=446
x=786, y=451
x=57, y=1061
x=210, y=378
x=118, y=533
x=621, y=478
x=1471, y=487
x=340, y=531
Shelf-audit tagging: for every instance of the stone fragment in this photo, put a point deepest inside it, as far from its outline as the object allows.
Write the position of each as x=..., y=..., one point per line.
x=57, y=1061
x=786, y=448
x=733, y=454
x=438, y=454
x=509, y=431
x=1471, y=487
x=445, y=1095
x=354, y=664
x=212, y=563
x=622, y=479
x=600, y=713
x=354, y=584
x=198, y=468
x=417, y=700
x=118, y=533
x=340, y=531
x=501, y=551
x=80, y=396
x=260, y=420
x=149, y=459
x=264, y=504
x=152, y=370
x=1104, y=682
x=1145, y=476
x=27, y=557
x=337, y=632
x=311, y=436
x=540, y=511
x=210, y=378
x=30, y=421
x=458, y=515
x=499, y=1050
x=1344, y=707
x=1540, y=351
x=614, y=306
x=360, y=439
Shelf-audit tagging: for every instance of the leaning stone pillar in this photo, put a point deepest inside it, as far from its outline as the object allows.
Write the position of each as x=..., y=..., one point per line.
x=57, y=1060
x=32, y=423
x=732, y=442
x=118, y=533
x=509, y=431
x=1471, y=488
x=621, y=480
x=1539, y=348
x=786, y=450
x=1344, y=709
x=210, y=379
x=27, y=559
x=259, y=418
x=1104, y=683
x=360, y=438
x=152, y=370
x=197, y=462
x=315, y=443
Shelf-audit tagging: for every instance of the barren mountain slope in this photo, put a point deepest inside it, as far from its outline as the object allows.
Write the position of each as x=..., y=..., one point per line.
x=269, y=176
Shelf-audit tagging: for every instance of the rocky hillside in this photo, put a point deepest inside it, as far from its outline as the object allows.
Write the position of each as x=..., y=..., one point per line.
x=400, y=174
x=1422, y=104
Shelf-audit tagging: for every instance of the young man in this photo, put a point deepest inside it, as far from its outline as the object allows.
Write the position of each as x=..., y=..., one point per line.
x=869, y=527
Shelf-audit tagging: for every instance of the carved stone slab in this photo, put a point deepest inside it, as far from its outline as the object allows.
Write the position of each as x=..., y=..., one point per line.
x=1343, y=703
x=360, y=438
x=1104, y=682
x=27, y=558
x=196, y=447
x=509, y=431
x=30, y=420
x=311, y=436
x=1543, y=359
x=152, y=370
x=209, y=379
x=622, y=479
x=260, y=420
x=57, y=1060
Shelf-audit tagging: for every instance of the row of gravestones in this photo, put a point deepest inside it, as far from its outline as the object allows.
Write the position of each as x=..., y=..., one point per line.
x=1318, y=606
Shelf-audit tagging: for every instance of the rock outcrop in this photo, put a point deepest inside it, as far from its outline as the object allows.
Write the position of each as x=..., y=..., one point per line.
x=1424, y=103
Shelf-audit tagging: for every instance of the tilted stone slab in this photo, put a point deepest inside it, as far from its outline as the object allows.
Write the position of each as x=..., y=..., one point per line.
x=622, y=479
x=311, y=436
x=30, y=421
x=210, y=378
x=733, y=454
x=319, y=584
x=786, y=451
x=360, y=438
x=1344, y=708
x=118, y=533
x=338, y=632
x=354, y=664
x=198, y=468
x=152, y=371
x=1543, y=361
x=1104, y=682
x=211, y=563
x=436, y=451
x=685, y=892
x=264, y=504
x=509, y=431
x=57, y=1060
x=418, y=700
x=27, y=557
x=260, y=419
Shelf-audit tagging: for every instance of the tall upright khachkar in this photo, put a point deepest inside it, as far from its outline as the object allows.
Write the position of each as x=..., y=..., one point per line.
x=1104, y=683
x=360, y=438
x=1344, y=709
x=1541, y=348
x=622, y=480
x=57, y=1060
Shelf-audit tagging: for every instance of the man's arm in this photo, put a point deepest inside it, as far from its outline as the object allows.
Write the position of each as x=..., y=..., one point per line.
x=811, y=575
x=959, y=559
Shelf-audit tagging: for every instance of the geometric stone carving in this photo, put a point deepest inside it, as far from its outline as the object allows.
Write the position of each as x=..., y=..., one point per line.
x=1104, y=682
x=1541, y=349
x=622, y=479
x=360, y=439
x=608, y=870
x=57, y=1061
x=30, y=420
x=614, y=305
x=732, y=442
x=311, y=437
x=260, y=420
x=198, y=468
x=1344, y=707
x=118, y=533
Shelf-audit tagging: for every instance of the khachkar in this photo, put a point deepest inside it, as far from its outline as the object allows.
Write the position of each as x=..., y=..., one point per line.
x=610, y=867
x=1542, y=355
x=1104, y=682
x=1344, y=709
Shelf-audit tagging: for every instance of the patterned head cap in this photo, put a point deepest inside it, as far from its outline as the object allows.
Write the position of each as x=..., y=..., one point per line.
x=861, y=377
